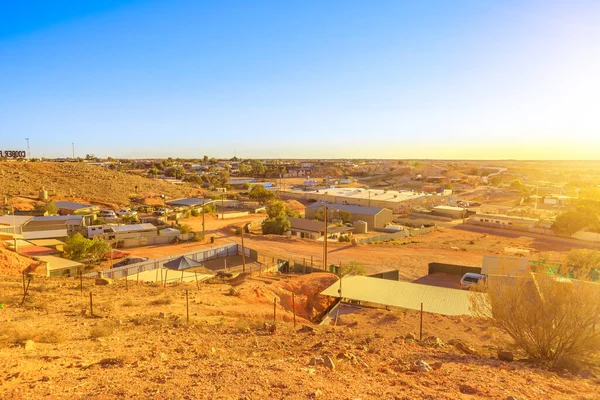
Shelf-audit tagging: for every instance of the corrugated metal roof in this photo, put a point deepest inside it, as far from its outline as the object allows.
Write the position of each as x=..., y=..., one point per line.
x=51, y=234
x=133, y=228
x=354, y=209
x=189, y=202
x=408, y=295
x=15, y=220
x=55, y=263
x=306, y=224
x=71, y=205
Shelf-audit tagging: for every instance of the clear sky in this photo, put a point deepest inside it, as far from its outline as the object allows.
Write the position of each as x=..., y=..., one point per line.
x=302, y=79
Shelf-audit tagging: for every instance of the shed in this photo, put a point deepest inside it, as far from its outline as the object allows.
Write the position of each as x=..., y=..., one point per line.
x=56, y=266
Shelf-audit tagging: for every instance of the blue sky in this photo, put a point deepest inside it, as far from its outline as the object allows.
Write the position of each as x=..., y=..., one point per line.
x=302, y=79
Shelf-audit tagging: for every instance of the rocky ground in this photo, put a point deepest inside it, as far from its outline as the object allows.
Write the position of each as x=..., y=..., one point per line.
x=79, y=182
x=139, y=344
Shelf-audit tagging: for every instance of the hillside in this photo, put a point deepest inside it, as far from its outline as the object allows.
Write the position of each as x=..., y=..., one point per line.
x=79, y=181
x=139, y=345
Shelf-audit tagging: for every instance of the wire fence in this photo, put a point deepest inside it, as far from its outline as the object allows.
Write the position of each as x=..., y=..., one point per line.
x=226, y=250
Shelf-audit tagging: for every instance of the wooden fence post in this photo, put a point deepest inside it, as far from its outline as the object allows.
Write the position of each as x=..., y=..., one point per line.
x=91, y=306
x=274, y=308
x=187, y=306
x=421, y=327
x=294, y=308
x=81, y=282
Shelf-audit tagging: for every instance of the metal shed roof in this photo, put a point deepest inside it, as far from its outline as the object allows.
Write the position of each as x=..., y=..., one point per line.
x=408, y=295
x=133, y=228
x=189, y=202
x=354, y=209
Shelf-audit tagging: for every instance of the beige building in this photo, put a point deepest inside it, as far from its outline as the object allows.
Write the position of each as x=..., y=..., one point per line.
x=374, y=217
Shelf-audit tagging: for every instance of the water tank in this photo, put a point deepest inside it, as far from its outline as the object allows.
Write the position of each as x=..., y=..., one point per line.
x=43, y=194
x=359, y=226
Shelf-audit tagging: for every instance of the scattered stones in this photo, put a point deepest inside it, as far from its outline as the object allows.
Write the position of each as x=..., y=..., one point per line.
x=466, y=389
x=110, y=362
x=29, y=345
x=328, y=362
x=317, y=361
x=234, y=292
x=434, y=341
x=306, y=329
x=462, y=346
x=420, y=366
x=103, y=281
x=505, y=356
x=271, y=328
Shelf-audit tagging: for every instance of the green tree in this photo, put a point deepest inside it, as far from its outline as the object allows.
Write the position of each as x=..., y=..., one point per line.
x=185, y=228
x=258, y=169
x=261, y=194
x=352, y=268
x=80, y=248
x=573, y=221
x=276, y=226
x=276, y=208
x=345, y=216
x=245, y=169
x=153, y=172
x=50, y=207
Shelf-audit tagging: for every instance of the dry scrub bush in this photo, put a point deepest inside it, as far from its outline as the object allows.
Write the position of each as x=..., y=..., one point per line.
x=102, y=330
x=162, y=301
x=552, y=319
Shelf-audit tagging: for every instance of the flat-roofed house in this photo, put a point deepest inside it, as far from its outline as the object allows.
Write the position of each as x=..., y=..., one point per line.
x=374, y=217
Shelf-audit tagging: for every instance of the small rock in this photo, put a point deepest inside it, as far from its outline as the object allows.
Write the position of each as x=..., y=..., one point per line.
x=316, y=361
x=84, y=312
x=162, y=314
x=511, y=398
x=460, y=345
x=234, y=292
x=45, y=379
x=466, y=389
x=29, y=345
x=163, y=357
x=420, y=366
x=437, y=365
x=306, y=328
x=505, y=355
x=328, y=362
x=410, y=336
x=103, y=281
x=316, y=393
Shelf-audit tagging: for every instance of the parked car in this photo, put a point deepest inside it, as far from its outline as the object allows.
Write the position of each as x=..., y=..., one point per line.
x=107, y=214
x=126, y=212
x=162, y=211
x=469, y=279
x=129, y=261
x=116, y=254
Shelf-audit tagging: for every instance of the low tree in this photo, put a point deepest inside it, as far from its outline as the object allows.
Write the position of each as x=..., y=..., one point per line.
x=352, y=268
x=50, y=207
x=79, y=248
x=345, y=216
x=276, y=226
x=573, y=221
x=261, y=194
x=185, y=228
x=554, y=320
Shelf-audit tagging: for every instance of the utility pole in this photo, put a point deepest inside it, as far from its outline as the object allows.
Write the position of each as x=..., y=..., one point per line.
x=222, y=206
x=73, y=149
x=325, y=239
x=203, y=201
x=28, y=151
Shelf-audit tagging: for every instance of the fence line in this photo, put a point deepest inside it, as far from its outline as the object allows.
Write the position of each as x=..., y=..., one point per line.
x=397, y=235
x=230, y=249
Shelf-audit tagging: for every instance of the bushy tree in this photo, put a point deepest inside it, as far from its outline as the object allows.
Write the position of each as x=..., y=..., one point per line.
x=552, y=319
x=573, y=221
x=352, y=268
x=185, y=228
x=276, y=226
x=79, y=248
x=261, y=194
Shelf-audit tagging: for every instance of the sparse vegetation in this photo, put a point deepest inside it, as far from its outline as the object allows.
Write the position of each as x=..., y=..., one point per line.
x=552, y=319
